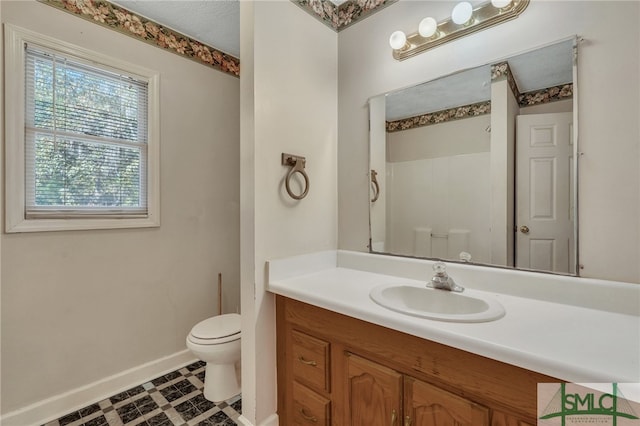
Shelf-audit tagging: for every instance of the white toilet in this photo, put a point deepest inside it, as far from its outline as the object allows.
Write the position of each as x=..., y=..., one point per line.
x=216, y=341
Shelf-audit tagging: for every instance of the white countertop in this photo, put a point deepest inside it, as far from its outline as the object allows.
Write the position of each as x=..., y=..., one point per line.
x=566, y=341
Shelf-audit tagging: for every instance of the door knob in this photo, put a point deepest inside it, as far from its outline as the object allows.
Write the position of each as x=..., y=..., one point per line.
x=524, y=229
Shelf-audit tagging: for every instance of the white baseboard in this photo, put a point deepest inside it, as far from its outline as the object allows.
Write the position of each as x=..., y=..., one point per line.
x=52, y=408
x=243, y=421
x=272, y=420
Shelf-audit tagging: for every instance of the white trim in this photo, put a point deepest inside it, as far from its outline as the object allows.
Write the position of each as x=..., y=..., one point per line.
x=52, y=408
x=244, y=421
x=15, y=220
x=272, y=420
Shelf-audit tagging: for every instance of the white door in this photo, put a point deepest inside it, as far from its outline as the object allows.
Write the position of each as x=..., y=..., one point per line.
x=544, y=182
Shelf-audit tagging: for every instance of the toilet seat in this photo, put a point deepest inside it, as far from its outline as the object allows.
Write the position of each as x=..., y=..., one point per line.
x=216, y=330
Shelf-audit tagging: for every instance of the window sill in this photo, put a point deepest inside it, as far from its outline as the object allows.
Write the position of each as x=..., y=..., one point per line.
x=45, y=225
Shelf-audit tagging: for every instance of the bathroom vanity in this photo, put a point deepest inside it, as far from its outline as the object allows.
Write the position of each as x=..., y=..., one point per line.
x=345, y=360
x=337, y=370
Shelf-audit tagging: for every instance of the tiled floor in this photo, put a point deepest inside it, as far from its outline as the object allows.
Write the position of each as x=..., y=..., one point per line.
x=174, y=399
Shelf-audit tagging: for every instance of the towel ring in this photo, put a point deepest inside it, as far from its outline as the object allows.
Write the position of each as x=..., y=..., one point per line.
x=376, y=186
x=297, y=164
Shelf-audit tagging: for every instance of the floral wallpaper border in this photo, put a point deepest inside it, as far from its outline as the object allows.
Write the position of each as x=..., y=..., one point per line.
x=126, y=22
x=502, y=70
x=437, y=117
x=340, y=17
x=550, y=94
x=535, y=97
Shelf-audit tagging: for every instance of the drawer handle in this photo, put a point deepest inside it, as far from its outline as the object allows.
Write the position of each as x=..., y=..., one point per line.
x=305, y=362
x=394, y=416
x=407, y=421
x=307, y=417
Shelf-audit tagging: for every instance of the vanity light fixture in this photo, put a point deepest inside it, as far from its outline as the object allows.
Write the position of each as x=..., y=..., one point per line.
x=398, y=40
x=462, y=13
x=464, y=20
x=501, y=4
x=428, y=27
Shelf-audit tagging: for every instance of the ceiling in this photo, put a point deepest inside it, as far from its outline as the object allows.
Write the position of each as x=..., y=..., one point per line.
x=538, y=69
x=213, y=22
x=217, y=24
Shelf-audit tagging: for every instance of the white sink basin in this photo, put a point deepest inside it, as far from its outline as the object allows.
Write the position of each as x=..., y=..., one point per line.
x=440, y=305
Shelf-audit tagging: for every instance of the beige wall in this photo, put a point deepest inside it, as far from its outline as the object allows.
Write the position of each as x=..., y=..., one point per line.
x=80, y=306
x=438, y=178
x=608, y=87
x=450, y=196
x=446, y=139
x=552, y=107
x=289, y=104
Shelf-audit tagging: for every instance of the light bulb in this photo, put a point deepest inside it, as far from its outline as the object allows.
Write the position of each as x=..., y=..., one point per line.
x=428, y=27
x=397, y=40
x=500, y=4
x=462, y=13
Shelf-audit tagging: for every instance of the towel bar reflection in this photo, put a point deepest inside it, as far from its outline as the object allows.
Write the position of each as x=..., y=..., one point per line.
x=376, y=186
x=297, y=164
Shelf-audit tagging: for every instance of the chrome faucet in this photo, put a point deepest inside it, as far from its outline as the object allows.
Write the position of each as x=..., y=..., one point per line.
x=442, y=281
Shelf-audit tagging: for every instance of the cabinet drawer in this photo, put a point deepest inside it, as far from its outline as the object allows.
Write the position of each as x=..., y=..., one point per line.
x=309, y=408
x=310, y=361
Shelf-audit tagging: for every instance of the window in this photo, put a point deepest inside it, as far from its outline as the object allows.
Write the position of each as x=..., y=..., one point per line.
x=81, y=152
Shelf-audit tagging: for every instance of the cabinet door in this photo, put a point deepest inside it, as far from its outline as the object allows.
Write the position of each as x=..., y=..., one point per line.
x=502, y=419
x=374, y=393
x=427, y=405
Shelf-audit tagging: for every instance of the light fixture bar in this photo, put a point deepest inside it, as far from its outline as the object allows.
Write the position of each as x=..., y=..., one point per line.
x=484, y=16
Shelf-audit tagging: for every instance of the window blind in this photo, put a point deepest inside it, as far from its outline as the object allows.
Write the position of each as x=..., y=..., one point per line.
x=85, y=138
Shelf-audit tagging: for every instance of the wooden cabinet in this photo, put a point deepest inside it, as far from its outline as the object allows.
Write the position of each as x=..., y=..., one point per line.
x=503, y=419
x=374, y=396
x=307, y=360
x=427, y=405
x=337, y=370
x=309, y=407
x=310, y=361
x=380, y=396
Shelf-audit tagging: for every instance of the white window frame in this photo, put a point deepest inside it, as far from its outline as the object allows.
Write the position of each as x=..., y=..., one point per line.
x=15, y=219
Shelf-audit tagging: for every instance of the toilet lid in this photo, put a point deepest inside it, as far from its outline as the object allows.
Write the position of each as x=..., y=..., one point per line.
x=217, y=327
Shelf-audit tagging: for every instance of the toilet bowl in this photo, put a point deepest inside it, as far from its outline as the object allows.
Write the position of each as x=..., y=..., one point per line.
x=216, y=341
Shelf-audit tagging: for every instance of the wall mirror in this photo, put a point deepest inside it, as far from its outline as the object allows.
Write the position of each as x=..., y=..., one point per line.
x=480, y=166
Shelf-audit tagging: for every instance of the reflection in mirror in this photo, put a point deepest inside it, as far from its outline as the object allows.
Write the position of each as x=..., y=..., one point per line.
x=480, y=165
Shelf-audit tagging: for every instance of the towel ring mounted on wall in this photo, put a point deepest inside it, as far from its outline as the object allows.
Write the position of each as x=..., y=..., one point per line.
x=376, y=186
x=297, y=164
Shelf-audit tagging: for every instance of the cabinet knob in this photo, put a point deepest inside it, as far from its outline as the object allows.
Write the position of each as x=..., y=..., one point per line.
x=394, y=417
x=407, y=421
